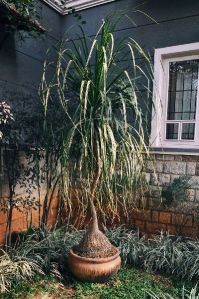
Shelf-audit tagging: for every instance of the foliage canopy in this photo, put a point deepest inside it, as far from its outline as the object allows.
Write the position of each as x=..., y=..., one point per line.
x=102, y=124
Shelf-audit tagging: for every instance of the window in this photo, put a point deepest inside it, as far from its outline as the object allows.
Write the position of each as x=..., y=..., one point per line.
x=175, y=117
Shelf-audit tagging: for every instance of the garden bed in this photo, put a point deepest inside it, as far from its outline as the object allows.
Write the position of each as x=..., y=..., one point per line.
x=36, y=267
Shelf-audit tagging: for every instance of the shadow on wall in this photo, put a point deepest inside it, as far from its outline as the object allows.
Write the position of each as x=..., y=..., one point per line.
x=22, y=202
x=24, y=177
x=7, y=56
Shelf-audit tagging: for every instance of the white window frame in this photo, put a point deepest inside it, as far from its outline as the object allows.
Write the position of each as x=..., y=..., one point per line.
x=160, y=96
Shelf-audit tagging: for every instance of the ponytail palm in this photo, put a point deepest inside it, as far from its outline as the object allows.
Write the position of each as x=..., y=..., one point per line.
x=103, y=132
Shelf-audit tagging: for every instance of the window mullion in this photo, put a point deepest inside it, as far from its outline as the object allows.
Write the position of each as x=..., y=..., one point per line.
x=180, y=130
x=197, y=114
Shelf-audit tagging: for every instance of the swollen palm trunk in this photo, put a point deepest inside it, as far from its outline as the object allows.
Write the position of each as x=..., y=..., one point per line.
x=94, y=258
x=94, y=244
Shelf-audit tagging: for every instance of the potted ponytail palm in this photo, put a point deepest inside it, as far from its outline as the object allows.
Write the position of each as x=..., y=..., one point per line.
x=103, y=136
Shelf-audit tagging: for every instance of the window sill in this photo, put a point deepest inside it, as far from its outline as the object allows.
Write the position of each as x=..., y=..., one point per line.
x=175, y=151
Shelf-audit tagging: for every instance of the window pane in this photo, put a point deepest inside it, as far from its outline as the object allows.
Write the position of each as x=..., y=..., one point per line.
x=183, y=82
x=188, y=131
x=172, y=131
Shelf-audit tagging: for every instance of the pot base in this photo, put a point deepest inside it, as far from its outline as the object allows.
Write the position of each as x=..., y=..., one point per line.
x=93, y=269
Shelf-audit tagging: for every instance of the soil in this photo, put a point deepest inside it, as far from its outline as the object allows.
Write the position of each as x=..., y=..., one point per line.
x=100, y=254
x=58, y=291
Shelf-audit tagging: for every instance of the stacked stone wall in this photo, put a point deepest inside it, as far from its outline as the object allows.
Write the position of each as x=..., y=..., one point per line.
x=179, y=216
x=24, y=217
x=153, y=213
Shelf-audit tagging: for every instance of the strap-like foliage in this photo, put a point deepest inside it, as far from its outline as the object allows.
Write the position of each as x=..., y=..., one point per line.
x=103, y=130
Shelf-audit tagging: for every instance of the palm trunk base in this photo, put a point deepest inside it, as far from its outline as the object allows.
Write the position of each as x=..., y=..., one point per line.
x=95, y=244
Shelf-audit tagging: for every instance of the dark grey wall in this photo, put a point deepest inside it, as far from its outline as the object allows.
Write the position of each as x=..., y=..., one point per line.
x=177, y=21
x=21, y=62
x=152, y=23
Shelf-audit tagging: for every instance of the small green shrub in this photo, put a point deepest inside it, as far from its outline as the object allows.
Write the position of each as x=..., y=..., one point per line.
x=177, y=189
x=22, y=18
x=6, y=117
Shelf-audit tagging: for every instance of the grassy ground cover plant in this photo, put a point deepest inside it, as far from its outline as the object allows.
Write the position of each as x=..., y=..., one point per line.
x=130, y=283
x=43, y=251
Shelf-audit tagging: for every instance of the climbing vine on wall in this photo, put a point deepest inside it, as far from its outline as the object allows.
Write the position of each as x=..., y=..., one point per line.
x=21, y=16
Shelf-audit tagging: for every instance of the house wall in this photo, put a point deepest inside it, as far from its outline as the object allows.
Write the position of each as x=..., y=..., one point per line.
x=21, y=64
x=153, y=24
x=171, y=22
x=167, y=23
x=156, y=24
x=22, y=61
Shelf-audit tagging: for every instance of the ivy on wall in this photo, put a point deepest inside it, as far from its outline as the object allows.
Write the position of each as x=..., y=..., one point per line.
x=20, y=16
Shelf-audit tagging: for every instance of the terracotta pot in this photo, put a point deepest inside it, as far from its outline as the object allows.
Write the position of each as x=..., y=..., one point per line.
x=93, y=269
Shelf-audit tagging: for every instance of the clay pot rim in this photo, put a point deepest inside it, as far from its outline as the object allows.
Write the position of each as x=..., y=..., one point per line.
x=95, y=260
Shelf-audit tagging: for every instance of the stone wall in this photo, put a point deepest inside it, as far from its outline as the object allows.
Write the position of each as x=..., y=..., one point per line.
x=27, y=202
x=153, y=214
x=22, y=219
x=179, y=216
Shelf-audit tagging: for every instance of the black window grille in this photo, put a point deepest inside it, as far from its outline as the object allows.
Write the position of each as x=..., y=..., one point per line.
x=172, y=131
x=182, y=99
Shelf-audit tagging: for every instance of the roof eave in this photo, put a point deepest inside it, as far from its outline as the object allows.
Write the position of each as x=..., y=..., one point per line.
x=75, y=4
